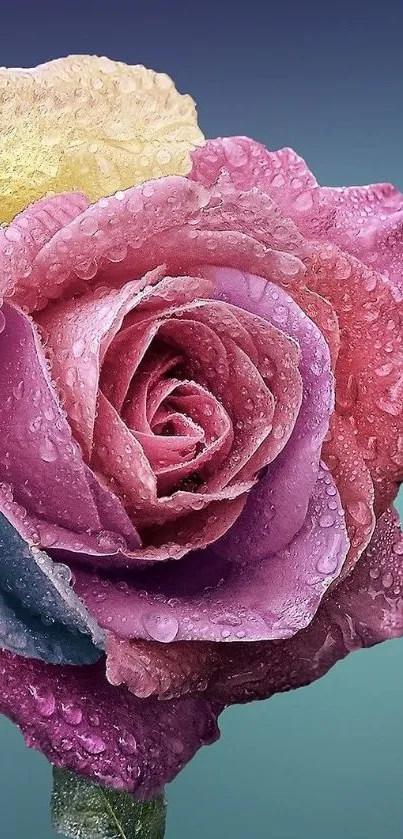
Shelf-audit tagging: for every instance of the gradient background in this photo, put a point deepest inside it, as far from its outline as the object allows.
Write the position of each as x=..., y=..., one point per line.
x=325, y=761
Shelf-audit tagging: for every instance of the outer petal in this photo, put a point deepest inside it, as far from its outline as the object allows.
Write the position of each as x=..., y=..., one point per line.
x=41, y=616
x=149, y=668
x=365, y=221
x=210, y=597
x=369, y=373
x=27, y=635
x=23, y=239
x=89, y=123
x=79, y=721
x=171, y=221
x=365, y=609
x=245, y=164
x=353, y=480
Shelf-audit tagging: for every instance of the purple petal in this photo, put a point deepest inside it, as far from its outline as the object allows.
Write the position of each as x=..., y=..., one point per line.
x=211, y=598
x=276, y=508
x=366, y=609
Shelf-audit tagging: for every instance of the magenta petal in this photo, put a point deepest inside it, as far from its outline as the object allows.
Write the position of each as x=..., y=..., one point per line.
x=79, y=721
x=211, y=598
x=55, y=499
x=38, y=456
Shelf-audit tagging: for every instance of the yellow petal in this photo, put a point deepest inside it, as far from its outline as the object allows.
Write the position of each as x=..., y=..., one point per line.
x=91, y=124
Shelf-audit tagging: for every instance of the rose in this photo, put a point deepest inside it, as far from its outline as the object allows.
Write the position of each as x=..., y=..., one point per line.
x=173, y=437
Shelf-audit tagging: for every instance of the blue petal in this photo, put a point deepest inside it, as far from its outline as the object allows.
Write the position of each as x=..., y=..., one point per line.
x=40, y=615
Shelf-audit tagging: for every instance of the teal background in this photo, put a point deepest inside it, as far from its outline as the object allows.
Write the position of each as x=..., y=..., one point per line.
x=323, y=762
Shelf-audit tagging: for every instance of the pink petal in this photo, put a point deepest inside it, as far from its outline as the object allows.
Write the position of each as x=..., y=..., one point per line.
x=246, y=164
x=129, y=346
x=38, y=454
x=369, y=373
x=180, y=224
x=24, y=238
x=78, y=333
x=230, y=371
x=353, y=480
x=149, y=668
x=119, y=456
x=365, y=221
x=175, y=458
x=81, y=722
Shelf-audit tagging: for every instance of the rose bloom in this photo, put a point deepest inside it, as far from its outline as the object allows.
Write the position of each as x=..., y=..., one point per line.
x=202, y=435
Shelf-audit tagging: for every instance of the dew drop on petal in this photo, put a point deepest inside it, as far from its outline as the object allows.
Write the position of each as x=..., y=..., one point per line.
x=162, y=628
x=45, y=701
x=48, y=451
x=72, y=713
x=92, y=744
x=127, y=743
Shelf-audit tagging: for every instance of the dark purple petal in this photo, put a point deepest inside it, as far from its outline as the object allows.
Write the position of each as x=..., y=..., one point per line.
x=79, y=721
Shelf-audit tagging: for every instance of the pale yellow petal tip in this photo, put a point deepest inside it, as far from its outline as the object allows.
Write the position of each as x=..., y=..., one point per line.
x=91, y=124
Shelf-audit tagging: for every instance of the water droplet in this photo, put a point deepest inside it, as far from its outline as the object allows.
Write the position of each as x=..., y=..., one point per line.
x=176, y=745
x=127, y=743
x=387, y=580
x=46, y=536
x=327, y=563
x=45, y=701
x=326, y=520
x=63, y=572
x=162, y=628
x=106, y=541
x=35, y=424
x=397, y=548
x=18, y=390
x=78, y=348
x=92, y=744
x=72, y=713
x=48, y=451
x=359, y=511
x=304, y=201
